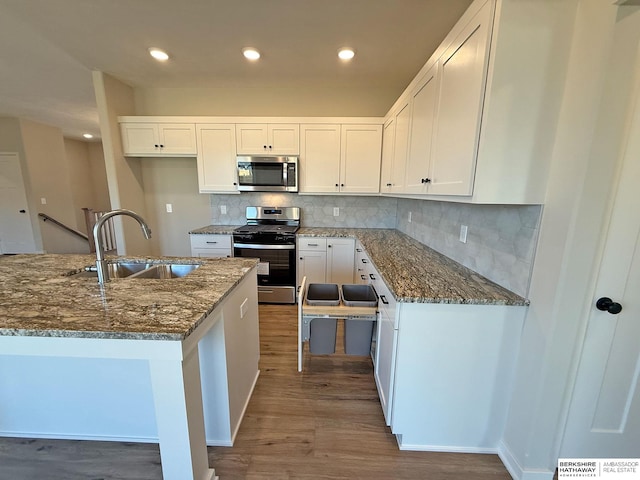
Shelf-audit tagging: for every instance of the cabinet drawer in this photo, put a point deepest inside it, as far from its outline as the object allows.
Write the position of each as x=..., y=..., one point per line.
x=211, y=252
x=312, y=243
x=211, y=241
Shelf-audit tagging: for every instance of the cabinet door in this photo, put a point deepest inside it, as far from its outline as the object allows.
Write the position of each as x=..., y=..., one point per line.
x=461, y=96
x=140, y=139
x=360, y=158
x=388, y=137
x=217, y=158
x=177, y=139
x=313, y=265
x=340, y=260
x=319, y=158
x=401, y=148
x=423, y=112
x=251, y=139
x=284, y=139
x=386, y=344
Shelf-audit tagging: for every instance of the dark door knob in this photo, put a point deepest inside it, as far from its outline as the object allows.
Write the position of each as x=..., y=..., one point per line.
x=23, y=211
x=607, y=305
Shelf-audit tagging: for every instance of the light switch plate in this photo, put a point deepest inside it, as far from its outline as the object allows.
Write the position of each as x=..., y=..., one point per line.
x=169, y=208
x=43, y=201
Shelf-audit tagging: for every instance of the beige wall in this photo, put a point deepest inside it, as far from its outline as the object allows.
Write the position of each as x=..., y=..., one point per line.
x=87, y=176
x=267, y=101
x=49, y=179
x=124, y=175
x=174, y=181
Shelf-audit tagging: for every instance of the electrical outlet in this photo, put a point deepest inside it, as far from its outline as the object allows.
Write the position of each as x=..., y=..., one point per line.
x=223, y=209
x=169, y=208
x=336, y=211
x=409, y=217
x=463, y=233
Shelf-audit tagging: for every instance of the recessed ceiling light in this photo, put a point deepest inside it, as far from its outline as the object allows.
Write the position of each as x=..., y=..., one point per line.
x=87, y=135
x=346, y=53
x=251, y=53
x=158, y=54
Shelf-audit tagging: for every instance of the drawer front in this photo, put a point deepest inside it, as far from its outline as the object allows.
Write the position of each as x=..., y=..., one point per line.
x=211, y=252
x=313, y=243
x=386, y=301
x=211, y=241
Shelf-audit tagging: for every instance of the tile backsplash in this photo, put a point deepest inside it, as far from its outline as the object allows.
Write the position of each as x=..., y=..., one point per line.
x=501, y=239
x=500, y=244
x=317, y=210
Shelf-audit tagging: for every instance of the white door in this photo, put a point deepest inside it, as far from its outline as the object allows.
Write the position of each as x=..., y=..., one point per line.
x=604, y=417
x=16, y=232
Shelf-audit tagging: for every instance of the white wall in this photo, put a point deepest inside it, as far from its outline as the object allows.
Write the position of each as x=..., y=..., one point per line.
x=584, y=158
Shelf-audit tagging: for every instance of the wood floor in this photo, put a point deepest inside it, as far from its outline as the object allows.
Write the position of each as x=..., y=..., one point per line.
x=323, y=424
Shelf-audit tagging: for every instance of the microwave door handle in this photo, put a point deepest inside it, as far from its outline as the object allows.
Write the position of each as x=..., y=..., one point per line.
x=285, y=174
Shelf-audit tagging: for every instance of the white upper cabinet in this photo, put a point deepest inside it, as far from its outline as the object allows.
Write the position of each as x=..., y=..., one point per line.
x=360, y=158
x=340, y=158
x=424, y=100
x=319, y=158
x=158, y=139
x=461, y=95
x=270, y=139
x=217, y=172
x=394, y=150
x=386, y=171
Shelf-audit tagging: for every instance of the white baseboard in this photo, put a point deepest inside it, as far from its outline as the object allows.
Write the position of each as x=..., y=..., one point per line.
x=515, y=469
x=443, y=448
x=71, y=436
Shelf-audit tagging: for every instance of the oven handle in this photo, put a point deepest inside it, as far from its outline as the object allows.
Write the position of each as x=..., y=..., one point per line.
x=258, y=246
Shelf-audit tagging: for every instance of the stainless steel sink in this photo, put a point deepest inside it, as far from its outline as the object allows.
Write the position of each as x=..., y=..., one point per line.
x=142, y=270
x=168, y=270
x=116, y=270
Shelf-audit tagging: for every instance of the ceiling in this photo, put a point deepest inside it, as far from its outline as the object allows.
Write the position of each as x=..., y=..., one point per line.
x=48, y=48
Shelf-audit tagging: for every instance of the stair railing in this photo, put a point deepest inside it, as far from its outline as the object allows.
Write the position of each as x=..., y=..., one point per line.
x=73, y=231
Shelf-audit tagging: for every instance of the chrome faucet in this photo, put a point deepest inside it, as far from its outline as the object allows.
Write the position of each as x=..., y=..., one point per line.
x=101, y=263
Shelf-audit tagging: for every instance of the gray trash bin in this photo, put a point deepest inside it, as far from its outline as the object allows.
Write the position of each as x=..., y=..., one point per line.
x=322, y=335
x=358, y=333
x=322, y=331
x=357, y=337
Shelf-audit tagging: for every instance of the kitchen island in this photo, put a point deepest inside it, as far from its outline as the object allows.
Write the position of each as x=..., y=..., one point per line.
x=172, y=361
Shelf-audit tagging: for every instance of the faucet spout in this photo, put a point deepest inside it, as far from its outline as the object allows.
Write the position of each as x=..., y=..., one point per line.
x=101, y=265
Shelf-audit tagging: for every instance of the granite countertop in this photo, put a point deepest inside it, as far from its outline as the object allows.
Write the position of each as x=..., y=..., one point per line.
x=416, y=273
x=38, y=297
x=215, y=229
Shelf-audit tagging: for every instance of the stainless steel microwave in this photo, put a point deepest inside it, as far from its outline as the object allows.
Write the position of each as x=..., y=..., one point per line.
x=267, y=174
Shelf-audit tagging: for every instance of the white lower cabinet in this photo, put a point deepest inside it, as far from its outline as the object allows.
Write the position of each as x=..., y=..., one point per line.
x=443, y=371
x=326, y=260
x=211, y=245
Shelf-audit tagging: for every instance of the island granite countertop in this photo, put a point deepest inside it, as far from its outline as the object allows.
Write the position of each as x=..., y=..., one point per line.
x=39, y=297
x=418, y=274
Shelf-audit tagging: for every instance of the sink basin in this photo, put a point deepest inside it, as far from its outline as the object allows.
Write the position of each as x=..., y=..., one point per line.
x=142, y=270
x=116, y=270
x=168, y=270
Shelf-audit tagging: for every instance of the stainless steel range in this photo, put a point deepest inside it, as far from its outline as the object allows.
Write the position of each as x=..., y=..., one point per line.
x=270, y=235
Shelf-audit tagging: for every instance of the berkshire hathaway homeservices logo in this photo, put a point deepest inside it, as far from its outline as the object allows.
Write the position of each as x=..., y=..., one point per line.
x=603, y=468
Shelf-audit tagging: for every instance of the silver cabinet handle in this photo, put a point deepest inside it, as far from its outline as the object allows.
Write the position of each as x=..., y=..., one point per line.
x=212, y=242
x=312, y=244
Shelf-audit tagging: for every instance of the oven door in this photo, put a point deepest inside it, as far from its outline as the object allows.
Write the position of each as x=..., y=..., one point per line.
x=276, y=270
